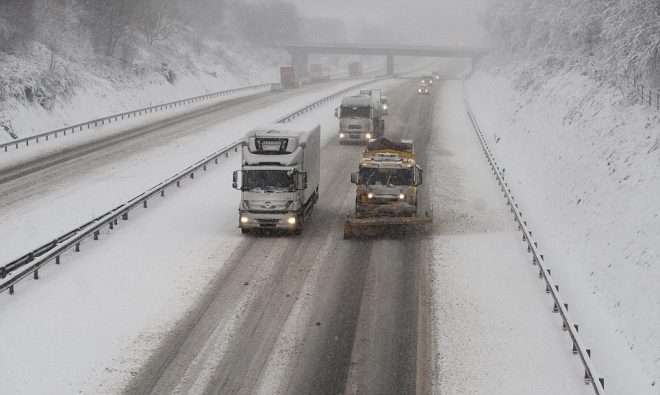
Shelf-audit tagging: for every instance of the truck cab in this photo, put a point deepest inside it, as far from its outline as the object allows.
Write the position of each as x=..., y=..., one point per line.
x=279, y=177
x=387, y=180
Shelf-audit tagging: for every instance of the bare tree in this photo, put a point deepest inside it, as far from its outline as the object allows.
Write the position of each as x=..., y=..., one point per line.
x=108, y=22
x=618, y=37
x=20, y=15
x=158, y=20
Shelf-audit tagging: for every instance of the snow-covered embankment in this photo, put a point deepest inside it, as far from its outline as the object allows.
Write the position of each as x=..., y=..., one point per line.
x=584, y=165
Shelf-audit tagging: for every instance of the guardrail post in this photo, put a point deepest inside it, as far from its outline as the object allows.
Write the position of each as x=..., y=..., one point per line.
x=192, y=175
x=36, y=274
x=124, y=216
x=57, y=260
x=162, y=193
x=112, y=225
x=178, y=184
x=144, y=204
x=96, y=235
x=77, y=247
x=11, y=290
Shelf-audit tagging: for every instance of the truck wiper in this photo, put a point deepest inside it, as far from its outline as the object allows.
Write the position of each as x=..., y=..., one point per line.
x=369, y=179
x=388, y=180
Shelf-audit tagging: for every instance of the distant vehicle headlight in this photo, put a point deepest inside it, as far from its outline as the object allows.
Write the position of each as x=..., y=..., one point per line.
x=384, y=106
x=370, y=195
x=244, y=220
x=368, y=135
x=291, y=220
x=402, y=196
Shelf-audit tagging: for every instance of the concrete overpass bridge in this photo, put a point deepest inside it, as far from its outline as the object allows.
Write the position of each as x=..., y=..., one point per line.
x=300, y=52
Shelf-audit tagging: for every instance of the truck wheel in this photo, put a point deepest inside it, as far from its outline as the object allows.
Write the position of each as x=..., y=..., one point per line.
x=297, y=231
x=245, y=231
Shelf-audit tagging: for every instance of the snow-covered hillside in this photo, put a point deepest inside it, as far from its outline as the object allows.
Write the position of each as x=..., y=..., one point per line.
x=39, y=91
x=583, y=161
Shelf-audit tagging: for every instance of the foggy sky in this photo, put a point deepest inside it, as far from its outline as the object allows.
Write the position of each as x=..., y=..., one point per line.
x=430, y=22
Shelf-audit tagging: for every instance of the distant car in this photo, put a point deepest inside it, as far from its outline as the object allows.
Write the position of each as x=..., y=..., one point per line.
x=436, y=75
x=423, y=89
x=428, y=79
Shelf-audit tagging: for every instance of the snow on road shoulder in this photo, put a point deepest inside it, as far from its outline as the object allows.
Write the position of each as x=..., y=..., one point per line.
x=494, y=331
x=583, y=164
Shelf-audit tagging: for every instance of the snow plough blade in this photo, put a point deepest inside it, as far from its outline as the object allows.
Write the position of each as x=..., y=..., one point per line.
x=371, y=227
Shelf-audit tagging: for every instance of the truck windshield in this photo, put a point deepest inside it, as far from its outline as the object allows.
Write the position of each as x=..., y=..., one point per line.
x=379, y=176
x=268, y=180
x=355, y=112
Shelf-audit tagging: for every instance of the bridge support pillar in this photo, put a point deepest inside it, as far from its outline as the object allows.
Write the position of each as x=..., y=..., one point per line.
x=299, y=61
x=390, y=64
x=473, y=65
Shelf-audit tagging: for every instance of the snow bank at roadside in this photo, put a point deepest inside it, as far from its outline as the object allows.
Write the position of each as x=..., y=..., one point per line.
x=39, y=92
x=584, y=164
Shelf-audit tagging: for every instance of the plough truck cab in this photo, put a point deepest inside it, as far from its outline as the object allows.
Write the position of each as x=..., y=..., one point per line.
x=386, y=190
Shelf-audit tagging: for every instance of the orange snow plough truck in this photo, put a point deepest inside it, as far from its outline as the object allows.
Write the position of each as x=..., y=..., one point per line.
x=386, y=195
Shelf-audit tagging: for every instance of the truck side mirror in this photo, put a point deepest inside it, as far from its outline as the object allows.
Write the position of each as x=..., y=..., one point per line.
x=337, y=112
x=302, y=180
x=234, y=183
x=419, y=177
x=354, y=178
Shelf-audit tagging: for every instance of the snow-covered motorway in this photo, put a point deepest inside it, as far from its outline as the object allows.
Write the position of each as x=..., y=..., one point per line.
x=74, y=183
x=179, y=301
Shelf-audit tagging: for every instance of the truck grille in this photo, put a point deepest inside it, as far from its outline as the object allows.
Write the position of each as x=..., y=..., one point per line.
x=354, y=127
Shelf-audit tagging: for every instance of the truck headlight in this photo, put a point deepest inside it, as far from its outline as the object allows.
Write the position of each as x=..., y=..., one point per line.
x=341, y=135
x=419, y=90
x=368, y=135
x=402, y=196
x=384, y=106
x=370, y=195
x=291, y=220
x=244, y=220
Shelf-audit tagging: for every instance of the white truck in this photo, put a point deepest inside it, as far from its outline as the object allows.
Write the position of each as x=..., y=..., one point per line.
x=360, y=118
x=279, y=177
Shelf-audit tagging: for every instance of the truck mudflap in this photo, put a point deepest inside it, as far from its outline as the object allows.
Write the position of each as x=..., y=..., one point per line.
x=378, y=226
